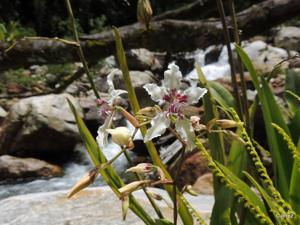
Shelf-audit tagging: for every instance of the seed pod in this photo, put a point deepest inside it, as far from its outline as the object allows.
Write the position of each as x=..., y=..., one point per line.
x=85, y=181
x=144, y=12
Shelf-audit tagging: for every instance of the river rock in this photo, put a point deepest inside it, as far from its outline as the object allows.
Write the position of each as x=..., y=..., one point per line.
x=142, y=59
x=3, y=114
x=204, y=184
x=288, y=38
x=40, y=126
x=193, y=167
x=13, y=167
x=92, y=206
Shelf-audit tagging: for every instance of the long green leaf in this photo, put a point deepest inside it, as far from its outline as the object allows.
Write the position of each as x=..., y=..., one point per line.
x=282, y=160
x=221, y=95
x=294, y=195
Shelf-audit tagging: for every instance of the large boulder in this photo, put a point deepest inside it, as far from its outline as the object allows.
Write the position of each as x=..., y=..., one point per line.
x=142, y=59
x=288, y=38
x=92, y=206
x=12, y=168
x=40, y=126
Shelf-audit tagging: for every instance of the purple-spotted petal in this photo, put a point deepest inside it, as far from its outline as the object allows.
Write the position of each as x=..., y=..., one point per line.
x=172, y=77
x=186, y=132
x=159, y=124
x=194, y=94
x=155, y=92
x=102, y=132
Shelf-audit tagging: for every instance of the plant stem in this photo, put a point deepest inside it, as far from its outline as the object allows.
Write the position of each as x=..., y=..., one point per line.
x=240, y=66
x=80, y=51
x=178, y=167
x=230, y=56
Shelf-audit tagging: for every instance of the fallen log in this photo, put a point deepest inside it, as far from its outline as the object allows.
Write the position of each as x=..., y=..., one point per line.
x=165, y=35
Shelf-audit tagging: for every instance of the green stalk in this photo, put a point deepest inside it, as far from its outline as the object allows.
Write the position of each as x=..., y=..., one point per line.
x=230, y=56
x=80, y=51
x=183, y=210
x=244, y=99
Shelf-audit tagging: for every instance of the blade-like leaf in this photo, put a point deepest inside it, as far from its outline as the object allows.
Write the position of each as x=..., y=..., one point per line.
x=163, y=222
x=271, y=113
x=221, y=95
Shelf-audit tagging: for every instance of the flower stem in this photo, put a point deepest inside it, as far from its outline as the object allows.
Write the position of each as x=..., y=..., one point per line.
x=80, y=51
x=230, y=55
x=240, y=66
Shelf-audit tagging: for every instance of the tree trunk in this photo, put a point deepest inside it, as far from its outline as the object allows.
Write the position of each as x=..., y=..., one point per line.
x=165, y=35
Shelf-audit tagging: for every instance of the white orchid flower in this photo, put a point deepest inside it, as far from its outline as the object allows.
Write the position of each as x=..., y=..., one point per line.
x=175, y=99
x=107, y=108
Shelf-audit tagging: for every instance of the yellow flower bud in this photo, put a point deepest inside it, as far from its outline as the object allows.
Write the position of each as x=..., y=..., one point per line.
x=85, y=181
x=121, y=136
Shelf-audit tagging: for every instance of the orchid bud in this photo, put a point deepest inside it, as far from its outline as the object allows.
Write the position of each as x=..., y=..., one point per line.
x=85, y=181
x=125, y=206
x=225, y=124
x=141, y=168
x=144, y=12
x=130, y=117
x=121, y=136
x=133, y=186
x=147, y=111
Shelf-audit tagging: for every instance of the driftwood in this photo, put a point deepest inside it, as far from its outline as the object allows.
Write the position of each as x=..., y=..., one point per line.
x=165, y=35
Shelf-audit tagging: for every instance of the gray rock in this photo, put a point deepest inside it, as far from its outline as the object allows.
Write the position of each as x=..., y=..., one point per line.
x=12, y=167
x=142, y=59
x=41, y=125
x=92, y=206
x=3, y=113
x=288, y=38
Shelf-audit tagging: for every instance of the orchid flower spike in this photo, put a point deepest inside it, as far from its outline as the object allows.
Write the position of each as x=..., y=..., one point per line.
x=107, y=108
x=175, y=99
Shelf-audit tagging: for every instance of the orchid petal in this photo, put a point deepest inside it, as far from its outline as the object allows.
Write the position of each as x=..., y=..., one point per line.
x=186, y=132
x=172, y=77
x=155, y=92
x=102, y=132
x=113, y=93
x=194, y=94
x=159, y=125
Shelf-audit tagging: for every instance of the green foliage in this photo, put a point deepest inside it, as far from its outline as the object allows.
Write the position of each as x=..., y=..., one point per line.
x=14, y=30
